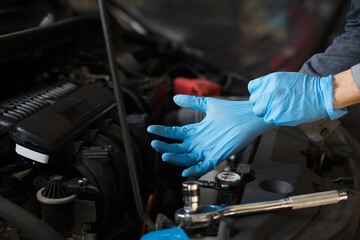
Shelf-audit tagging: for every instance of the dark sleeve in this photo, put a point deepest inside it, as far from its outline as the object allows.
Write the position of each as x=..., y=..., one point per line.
x=355, y=72
x=342, y=54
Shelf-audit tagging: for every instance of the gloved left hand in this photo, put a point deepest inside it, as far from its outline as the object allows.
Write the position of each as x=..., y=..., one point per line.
x=227, y=128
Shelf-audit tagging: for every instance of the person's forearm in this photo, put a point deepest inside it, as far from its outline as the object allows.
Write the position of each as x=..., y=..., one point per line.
x=345, y=91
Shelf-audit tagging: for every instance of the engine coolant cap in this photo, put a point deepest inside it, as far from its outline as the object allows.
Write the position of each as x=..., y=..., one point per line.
x=166, y=234
x=228, y=179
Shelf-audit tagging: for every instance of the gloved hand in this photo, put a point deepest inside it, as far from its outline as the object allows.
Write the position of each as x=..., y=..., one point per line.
x=291, y=99
x=227, y=128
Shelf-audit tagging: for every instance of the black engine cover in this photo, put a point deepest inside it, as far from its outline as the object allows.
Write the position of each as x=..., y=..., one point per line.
x=49, y=129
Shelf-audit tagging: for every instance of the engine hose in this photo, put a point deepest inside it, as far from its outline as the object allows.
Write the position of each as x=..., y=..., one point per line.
x=24, y=220
x=128, y=93
x=136, y=100
x=121, y=114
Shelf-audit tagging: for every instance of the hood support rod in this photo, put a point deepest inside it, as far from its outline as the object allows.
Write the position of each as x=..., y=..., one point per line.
x=121, y=114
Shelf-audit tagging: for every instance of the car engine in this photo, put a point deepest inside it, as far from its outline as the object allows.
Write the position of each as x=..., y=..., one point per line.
x=63, y=162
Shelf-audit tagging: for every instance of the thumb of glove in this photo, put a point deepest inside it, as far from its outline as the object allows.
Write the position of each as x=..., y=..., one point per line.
x=192, y=102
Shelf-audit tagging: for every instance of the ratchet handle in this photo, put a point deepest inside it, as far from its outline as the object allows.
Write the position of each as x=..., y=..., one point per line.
x=317, y=199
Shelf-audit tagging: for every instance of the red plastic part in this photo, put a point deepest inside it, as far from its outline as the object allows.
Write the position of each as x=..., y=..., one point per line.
x=196, y=87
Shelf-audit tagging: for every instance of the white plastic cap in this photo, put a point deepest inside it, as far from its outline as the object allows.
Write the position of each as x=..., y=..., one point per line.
x=33, y=155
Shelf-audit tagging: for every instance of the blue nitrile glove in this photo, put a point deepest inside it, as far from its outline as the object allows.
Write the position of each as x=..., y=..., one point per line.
x=166, y=234
x=227, y=128
x=291, y=99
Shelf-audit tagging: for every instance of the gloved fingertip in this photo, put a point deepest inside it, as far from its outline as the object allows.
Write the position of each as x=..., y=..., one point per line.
x=180, y=98
x=154, y=143
x=252, y=85
x=259, y=110
x=192, y=102
x=192, y=172
x=151, y=129
x=185, y=173
x=165, y=157
x=252, y=98
x=177, y=97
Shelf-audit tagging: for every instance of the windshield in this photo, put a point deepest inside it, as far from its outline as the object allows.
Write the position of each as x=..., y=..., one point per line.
x=17, y=15
x=255, y=35
x=252, y=36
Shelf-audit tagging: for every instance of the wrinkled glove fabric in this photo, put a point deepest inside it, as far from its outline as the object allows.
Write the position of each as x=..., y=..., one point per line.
x=291, y=99
x=226, y=129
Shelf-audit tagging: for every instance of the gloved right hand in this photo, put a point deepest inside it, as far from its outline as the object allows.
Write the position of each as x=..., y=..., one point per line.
x=291, y=98
x=227, y=128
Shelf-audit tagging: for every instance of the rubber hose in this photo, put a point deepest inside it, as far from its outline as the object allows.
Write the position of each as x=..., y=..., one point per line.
x=24, y=220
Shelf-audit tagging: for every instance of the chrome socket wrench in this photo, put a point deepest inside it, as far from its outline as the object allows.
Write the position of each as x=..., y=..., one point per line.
x=206, y=215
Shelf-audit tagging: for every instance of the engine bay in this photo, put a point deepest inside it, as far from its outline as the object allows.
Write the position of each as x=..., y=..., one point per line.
x=63, y=156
